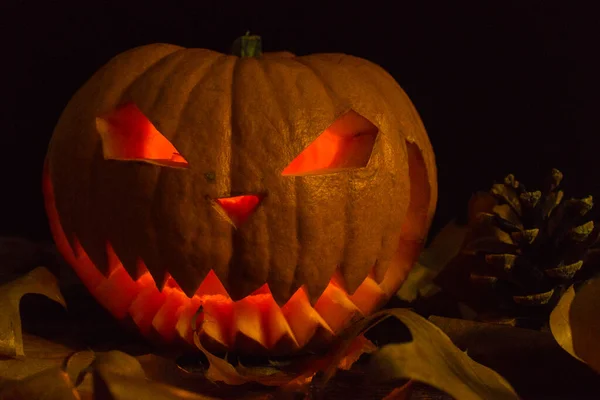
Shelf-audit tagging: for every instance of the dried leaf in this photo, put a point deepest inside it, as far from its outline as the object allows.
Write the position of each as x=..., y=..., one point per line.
x=50, y=384
x=77, y=365
x=294, y=376
x=527, y=358
x=117, y=362
x=42, y=354
x=401, y=393
x=432, y=358
x=39, y=281
x=418, y=283
x=444, y=247
x=114, y=386
x=575, y=322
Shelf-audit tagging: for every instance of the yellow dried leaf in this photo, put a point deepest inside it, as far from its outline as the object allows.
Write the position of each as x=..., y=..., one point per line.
x=575, y=322
x=38, y=281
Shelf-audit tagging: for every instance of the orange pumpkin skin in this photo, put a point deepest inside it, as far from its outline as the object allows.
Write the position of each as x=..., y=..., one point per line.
x=317, y=249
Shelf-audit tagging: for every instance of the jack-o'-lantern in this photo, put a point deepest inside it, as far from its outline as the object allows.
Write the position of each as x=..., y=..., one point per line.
x=283, y=195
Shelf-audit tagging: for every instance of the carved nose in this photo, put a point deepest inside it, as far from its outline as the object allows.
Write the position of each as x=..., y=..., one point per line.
x=239, y=208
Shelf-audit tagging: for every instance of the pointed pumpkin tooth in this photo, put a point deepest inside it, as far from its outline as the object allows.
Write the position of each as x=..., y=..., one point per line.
x=273, y=322
x=211, y=285
x=280, y=336
x=355, y=271
x=188, y=282
x=184, y=323
x=117, y=292
x=217, y=319
x=85, y=268
x=154, y=265
x=247, y=282
x=165, y=320
x=141, y=269
x=302, y=317
x=145, y=306
x=96, y=250
x=281, y=292
x=379, y=269
x=113, y=261
x=248, y=316
x=127, y=258
x=368, y=297
x=336, y=308
x=223, y=278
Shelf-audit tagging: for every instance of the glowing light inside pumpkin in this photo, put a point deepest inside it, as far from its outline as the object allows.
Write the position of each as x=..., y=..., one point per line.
x=239, y=208
x=128, y=135
x=254, y=323
x=345, y=144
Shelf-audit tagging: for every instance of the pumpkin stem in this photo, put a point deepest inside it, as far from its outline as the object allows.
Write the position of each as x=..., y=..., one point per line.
x=247, y=46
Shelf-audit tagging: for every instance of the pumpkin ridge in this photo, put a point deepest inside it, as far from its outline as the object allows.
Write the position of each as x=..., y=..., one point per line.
x=192, y=281
x=278, y=273
x=84, y=208
x=127, y=256
x=360, y=252
x=275, y=273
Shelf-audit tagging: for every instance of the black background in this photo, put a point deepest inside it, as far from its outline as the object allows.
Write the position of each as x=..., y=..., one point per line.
x=502, y=87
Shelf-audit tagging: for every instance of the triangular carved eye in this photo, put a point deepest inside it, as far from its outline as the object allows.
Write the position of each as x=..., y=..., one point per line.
x=345, y=144
x=128, y=135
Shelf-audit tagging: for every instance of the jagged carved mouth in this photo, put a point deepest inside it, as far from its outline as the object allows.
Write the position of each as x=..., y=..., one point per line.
x=251, y=324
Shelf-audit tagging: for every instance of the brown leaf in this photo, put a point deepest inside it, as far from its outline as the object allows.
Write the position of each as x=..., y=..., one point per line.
x=114, y=386
x=432, y=358
x=444, y=247
x=117, y=362
x=527, y=358
x=401, y=393
x=39, y=281
x=575, y=322
x=42, y=354
x=50, y=384
x=293, y=377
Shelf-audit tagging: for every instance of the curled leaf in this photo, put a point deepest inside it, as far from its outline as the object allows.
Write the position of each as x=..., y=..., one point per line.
x=575, y=322
x=291, y=375
x=529, y=359
x=38, y=281
x=432, y=358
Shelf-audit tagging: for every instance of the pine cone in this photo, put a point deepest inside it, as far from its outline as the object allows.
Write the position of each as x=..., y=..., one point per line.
x=529, y=246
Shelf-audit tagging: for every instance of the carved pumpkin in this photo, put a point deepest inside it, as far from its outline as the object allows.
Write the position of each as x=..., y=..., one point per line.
x=285, y=195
